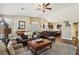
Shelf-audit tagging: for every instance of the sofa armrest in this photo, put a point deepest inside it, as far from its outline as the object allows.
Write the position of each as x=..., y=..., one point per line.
x=17, y=46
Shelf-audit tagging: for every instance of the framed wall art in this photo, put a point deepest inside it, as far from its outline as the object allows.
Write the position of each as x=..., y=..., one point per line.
x=21, y=25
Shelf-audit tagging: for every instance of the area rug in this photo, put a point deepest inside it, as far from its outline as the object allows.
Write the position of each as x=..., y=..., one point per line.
x=58, y=48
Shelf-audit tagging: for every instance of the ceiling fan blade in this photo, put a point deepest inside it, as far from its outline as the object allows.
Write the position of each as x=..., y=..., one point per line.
x=38, y=9
x=49, y=8
x=47, y=4
x=39, y=5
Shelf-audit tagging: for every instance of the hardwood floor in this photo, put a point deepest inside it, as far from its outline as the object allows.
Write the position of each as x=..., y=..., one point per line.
x=74, y=41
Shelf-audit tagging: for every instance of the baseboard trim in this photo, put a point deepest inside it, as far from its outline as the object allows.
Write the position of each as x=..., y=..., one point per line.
x=66, y=38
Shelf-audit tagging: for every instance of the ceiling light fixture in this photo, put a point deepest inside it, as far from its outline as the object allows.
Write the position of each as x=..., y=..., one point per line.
x=43, y=7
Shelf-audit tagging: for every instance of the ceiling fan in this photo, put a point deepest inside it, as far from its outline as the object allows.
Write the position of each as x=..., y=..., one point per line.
x=44, y=7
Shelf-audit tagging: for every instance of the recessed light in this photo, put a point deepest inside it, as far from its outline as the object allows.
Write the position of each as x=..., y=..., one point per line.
x=22, y=8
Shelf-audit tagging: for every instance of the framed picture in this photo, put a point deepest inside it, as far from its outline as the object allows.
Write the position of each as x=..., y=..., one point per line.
x=59, y=26
x=21, y=24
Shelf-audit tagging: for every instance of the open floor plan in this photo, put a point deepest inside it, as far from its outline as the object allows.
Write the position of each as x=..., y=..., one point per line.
x=39, y=28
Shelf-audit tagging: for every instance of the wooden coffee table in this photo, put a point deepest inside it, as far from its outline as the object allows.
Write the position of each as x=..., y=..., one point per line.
x=35, y=47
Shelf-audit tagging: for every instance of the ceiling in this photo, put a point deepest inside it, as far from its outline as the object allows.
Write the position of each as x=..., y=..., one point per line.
x=30, y=9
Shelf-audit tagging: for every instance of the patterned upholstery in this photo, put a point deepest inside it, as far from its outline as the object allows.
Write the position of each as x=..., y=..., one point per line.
x=3, y=49
x=17, y=49
x=10, y=48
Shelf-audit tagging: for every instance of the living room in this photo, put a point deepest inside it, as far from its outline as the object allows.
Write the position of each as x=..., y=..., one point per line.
x=56, y=24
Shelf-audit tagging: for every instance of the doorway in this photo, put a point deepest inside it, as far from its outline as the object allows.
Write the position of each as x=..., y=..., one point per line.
x=75, y=33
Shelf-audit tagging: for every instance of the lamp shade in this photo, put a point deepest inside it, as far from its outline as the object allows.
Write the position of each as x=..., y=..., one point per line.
x=3, y=24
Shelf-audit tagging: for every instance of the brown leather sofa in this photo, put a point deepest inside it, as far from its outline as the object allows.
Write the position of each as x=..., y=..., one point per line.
x=24, y=37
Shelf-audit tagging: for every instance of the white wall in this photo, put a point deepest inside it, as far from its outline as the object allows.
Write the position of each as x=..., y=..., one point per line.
x=66, y=32
x=78, y=30
x=13, y=22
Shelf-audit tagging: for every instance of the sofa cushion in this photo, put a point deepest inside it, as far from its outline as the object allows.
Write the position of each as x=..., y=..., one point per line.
x=17, y=46
x=14, y=42
x=3, y=49
x=20, y=51
x=10, y=48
